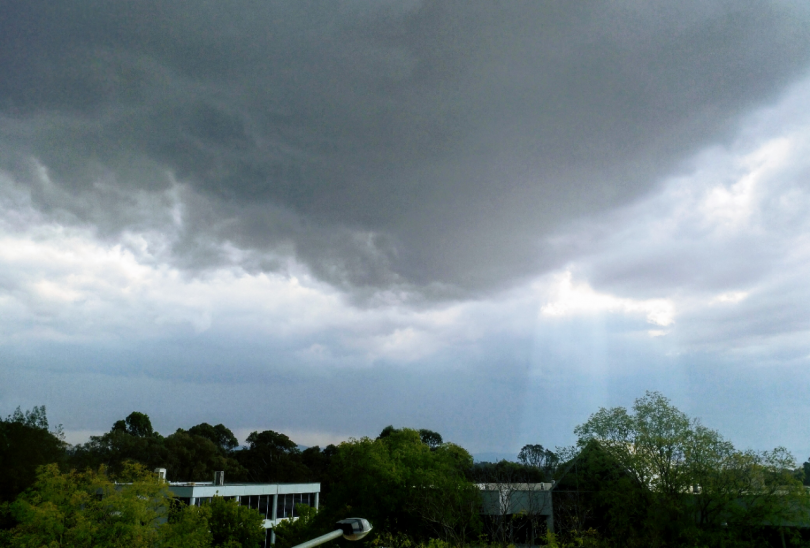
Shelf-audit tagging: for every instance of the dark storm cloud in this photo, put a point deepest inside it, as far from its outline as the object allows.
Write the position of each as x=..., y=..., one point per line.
x=427, y=145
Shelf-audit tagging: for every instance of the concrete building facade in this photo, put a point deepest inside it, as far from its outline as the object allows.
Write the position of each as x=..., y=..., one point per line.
x=275, y=501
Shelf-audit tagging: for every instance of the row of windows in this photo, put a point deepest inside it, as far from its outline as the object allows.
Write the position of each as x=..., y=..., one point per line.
x=264, y=503
x=286, y=503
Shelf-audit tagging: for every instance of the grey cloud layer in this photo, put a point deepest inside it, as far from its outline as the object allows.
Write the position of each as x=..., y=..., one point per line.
x=429, y=145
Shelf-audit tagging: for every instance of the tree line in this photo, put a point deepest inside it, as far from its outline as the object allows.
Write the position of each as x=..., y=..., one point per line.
x=639, y=477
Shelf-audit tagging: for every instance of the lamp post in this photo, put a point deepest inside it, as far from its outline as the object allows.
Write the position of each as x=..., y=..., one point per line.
x=350, y=529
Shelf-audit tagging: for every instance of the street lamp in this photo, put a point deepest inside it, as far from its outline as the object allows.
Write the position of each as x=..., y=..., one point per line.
x=350, y=529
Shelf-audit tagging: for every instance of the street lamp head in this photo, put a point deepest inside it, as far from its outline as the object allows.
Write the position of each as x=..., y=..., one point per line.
x=350, y=529
x=354, y=528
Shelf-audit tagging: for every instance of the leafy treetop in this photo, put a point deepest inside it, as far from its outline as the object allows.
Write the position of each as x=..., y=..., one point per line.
x=35, y=418
x=538, y=457
x=220, y=435
x=430, y=438
x=136, y=424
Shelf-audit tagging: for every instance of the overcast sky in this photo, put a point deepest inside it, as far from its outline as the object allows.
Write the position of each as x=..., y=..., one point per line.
x=484, y=218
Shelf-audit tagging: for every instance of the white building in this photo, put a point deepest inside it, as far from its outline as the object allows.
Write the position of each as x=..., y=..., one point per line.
x=275, y=501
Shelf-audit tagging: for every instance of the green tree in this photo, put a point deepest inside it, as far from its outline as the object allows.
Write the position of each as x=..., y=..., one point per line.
x=85, y=509
x=34, y=418
x=187, y=527
x=117, y=447
x=188, y=455
x=272, y=457
x=400, y=485
x=594, y=491
x=387, y=431
x=26, y=443
x=219, y=435
x=430, y=438
x=539, y=457
x=504, y=470
x=691, y=485
x=193, y=457
x=318, y=461
x=804, y=473
x=235, y=526
x=136, y=424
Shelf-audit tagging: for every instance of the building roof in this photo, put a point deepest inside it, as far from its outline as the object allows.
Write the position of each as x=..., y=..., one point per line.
x=209, y=489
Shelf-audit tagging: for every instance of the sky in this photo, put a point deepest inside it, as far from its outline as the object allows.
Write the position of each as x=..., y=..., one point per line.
x=488, y=219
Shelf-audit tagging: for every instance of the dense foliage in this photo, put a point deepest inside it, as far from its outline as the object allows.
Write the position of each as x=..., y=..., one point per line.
x=26, y=443
x=81, y=509
x=402, y=483
x=649, y=476
x=87, y=509
x=652, y=476
x=195, y=454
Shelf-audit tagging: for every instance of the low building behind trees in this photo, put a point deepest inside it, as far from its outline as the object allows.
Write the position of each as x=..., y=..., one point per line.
x=275, y=502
